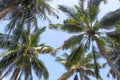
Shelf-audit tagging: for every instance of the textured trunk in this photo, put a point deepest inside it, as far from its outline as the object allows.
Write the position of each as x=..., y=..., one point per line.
x=105, y=54
x=80, y=75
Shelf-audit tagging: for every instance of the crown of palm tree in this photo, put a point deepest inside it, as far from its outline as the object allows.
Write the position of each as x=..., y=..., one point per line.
x=22, y=56
x=83, y=66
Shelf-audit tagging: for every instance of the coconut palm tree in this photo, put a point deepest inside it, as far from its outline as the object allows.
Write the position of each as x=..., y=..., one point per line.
x=22, y=13
x=84, y=66
x=83, y=21
x=26, y=8
x=20, y=60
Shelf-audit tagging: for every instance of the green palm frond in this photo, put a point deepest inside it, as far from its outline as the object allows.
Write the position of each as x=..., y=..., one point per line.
x=7, y=72
x=75, y=55
x=93, y=9
x=36, y=36
x=87, y=58
x=16, y=72
x=39, y=68
x=9, y=59
x=72, y=26
x=101, y=41
x=114, y=38
x=69, y=11
x=7, y=41
x=111, y=19
x=73, y=41
x=61, y=60
x=44, y=49
x=3, y=54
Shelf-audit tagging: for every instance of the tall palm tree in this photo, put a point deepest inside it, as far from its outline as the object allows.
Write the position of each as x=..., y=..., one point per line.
x=26, y=8
x=21, y=58
x=83, y=21
x=22, y=13
x=84, y=66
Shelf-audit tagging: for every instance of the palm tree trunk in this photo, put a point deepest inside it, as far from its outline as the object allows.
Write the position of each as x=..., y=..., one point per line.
x=105, y=54
x=80, y=75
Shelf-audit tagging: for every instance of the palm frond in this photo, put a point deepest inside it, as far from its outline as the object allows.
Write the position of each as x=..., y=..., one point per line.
x=61, y=60
x=87, y=58
x=9, y=59
x=3, y=54
x=69, y=11
x=93, y=9
x=35, y=37
x=74, y=40
x=39, y=68
x=7, y=72
x=75, y=55
x=16, y=73
x=7, y=41
x=45, y=49
x=111, y=19
x=72, y=26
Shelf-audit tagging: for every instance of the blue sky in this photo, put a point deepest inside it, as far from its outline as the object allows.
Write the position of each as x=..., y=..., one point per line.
x=56, y=38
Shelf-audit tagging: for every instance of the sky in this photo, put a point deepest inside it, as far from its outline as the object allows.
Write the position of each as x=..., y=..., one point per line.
x=56, y=38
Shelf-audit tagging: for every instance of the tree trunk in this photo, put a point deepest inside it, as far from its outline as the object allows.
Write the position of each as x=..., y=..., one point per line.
x=80, y=75
x=105, y=54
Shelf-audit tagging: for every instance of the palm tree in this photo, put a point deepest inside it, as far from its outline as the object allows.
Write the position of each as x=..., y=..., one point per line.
x=26, y=8
x=21, y=58
x=22, y=13
x=83, y=21
x=84, y=66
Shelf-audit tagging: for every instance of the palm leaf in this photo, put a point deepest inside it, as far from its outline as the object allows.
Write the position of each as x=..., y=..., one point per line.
x=35, y=37
x=44, y=49
x=75, y=55
x=7, y=72
x=8, y=60
x=6, y=41
x=69, y=11
x=39, y=68
x=72, y=26
x=16, y=72
x=111, y=19
x=93, y=8
x=74, y=40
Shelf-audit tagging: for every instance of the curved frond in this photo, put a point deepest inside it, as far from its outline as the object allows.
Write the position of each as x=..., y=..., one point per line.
x=69, y=11
x=9, y=59
x=111, y=19
x=75, y=55
x=93, y=8
x=39, y=68
x=74, y=40
x=44, y=49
